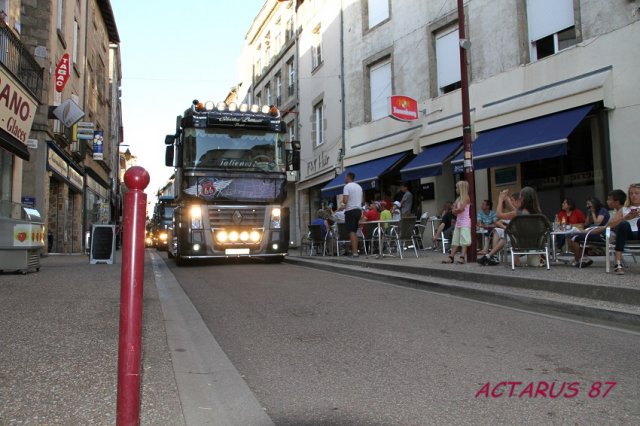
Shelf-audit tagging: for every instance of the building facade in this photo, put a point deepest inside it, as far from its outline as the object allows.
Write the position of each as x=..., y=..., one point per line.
x=543, y=67
x=73, y=175
x=21, y=81
x=553, y=97
x=268, y=69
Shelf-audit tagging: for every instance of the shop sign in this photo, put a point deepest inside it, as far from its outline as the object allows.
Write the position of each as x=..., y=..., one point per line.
x=29, y=201
x=17, y=108
x=403, y=108
x=75, y=178
x=62, y=72
x=58, y=163
x=68, y=112
x=98, y=139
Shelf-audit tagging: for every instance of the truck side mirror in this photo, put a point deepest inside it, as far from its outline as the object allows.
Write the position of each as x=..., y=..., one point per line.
x=169, y=139
x=168, y=156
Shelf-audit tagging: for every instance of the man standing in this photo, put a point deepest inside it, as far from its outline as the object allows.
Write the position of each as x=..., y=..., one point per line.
x=352, y=199
x=407, y=200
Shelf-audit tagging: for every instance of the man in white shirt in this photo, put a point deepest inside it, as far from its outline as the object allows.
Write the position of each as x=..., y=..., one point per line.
x=352, y=198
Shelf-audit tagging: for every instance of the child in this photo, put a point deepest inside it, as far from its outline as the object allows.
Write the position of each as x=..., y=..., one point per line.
x=462, y=232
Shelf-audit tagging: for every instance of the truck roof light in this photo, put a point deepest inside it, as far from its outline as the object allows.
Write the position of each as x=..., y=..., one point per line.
x=233, y=106
x=273, y=110
x=265, y=109
x=198, y=106
x=244, y=107
x=255, y=108
x=208, y=106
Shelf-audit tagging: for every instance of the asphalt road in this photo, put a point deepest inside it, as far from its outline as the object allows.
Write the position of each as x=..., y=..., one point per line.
x=320, y=348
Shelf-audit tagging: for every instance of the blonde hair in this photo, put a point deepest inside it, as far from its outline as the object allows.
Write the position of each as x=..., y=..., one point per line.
x=463, y=189
x=632, y=186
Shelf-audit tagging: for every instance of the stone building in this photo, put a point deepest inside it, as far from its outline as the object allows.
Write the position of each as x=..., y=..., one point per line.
x=21, y=83
x=553, y=95
x=74, y=170
x=268, y=68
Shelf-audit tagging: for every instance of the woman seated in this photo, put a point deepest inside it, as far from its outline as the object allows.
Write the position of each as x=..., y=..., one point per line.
x=569, y=217
x=597, y=215
x=526, y=202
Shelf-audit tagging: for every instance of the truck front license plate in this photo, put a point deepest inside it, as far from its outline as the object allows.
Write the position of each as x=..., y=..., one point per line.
x=236, y=251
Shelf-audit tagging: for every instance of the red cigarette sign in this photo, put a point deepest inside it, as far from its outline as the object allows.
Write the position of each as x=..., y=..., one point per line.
x=404, y=108
x=62, y=72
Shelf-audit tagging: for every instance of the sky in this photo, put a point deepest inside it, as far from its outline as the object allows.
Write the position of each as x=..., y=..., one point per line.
x=172, y=53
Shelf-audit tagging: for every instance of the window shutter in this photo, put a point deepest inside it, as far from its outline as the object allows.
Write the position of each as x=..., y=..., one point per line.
x=546, y=17
x=448, y=58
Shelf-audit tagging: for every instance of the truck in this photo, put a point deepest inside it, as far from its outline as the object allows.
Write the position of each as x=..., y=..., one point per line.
x=230, y=165
x=162, y=221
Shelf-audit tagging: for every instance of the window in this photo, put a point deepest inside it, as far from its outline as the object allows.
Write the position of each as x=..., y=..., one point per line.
x=448, y=60
x=380, y=89
x=267, y=90
x=60, y=15
x=378, y=11
x=291, y=73
x=259, y=99
x=291, y=130
x=551, y=26
x=288, y=35
x=318, y=124
x=316, y=48
x=278, y=89
x=76, y=31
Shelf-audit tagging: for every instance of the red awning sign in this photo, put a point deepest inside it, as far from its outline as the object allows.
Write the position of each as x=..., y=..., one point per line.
x=404, y=108
x=62, y=72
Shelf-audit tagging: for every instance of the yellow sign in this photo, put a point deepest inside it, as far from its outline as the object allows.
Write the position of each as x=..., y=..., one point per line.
x=17, y=108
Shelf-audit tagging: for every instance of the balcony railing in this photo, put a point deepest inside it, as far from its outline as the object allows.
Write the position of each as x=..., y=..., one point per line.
x=17, y=59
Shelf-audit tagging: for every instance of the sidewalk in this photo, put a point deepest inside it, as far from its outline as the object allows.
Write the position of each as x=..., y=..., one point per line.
x=587, y=293
x=59, y=351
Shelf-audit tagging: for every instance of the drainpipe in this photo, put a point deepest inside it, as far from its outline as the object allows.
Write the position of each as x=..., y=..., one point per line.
x=344, y=117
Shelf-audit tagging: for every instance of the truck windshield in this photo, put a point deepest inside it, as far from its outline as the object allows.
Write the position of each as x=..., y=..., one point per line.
x=230, y=149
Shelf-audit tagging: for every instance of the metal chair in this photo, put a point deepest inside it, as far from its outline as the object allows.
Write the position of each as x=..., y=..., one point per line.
x=342, y=236
x=404, y=232
x=316, y=239
x=529, y=234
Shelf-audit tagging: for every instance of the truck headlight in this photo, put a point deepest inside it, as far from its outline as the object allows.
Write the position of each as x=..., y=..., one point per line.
x=196, y=217
x=275, y=218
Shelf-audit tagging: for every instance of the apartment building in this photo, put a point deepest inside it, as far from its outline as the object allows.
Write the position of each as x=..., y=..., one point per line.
x=553, y=97
x=72, y=177
x=268, y=67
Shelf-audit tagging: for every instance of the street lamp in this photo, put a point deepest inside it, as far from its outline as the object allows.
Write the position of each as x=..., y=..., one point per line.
x=466, y=129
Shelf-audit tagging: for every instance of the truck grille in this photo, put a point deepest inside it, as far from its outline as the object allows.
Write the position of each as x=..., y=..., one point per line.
x=236, y=216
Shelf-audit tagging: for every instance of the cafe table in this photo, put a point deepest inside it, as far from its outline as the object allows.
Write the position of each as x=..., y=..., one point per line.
x=380, y=224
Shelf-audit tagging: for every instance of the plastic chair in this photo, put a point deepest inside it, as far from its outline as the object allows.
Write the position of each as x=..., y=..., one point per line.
x=529, y=234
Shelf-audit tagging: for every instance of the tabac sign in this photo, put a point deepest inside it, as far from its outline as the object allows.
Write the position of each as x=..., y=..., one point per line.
x=62, y=72
x=403, y=108
x=17, y=108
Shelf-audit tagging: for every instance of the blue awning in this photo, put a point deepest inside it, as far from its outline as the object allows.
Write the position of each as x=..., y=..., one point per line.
x=429, y=161
x=535, y=139
x=366, y=174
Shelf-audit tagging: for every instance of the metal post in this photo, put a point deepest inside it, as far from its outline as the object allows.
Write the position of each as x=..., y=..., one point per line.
x=469, y=175
x=132, y=277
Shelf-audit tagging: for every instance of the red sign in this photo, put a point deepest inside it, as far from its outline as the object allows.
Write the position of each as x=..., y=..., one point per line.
x=404, y=108
x=62, y=72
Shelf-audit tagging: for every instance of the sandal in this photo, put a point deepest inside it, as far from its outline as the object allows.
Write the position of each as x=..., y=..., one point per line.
x=585, y=263
x=461, y=260
x=450, y=259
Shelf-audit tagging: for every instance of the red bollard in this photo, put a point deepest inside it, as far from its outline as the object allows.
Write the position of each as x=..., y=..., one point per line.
x=129, y=349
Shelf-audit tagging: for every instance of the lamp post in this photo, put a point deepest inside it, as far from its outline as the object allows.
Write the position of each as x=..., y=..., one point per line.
x=466, y=129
